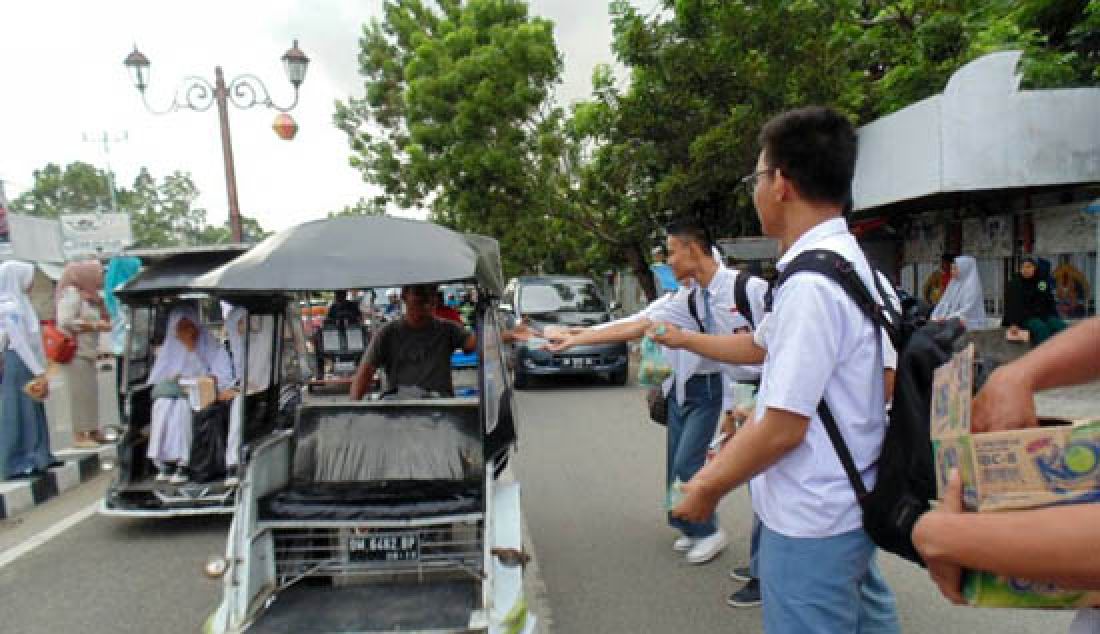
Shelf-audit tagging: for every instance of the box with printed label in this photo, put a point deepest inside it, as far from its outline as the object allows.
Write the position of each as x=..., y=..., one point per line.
x=1019, y=469
x=987, y=590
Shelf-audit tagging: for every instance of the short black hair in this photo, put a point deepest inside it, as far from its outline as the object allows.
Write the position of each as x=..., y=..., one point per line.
x=815, y=147
x=690, y=230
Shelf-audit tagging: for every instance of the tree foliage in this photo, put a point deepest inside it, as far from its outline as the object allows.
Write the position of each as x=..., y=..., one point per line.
x=162, y=214
x=363, y=207
x=458, y=113
x=456, y=118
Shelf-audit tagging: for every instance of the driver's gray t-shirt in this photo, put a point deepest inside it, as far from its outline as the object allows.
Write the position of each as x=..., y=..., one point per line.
x=416, y=356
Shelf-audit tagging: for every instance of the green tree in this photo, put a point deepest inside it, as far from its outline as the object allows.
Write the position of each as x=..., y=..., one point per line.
x=456, y=118
x=162, y=214
x=363, y=207
x=704, y=76
x=78, y=187
x=910, y=49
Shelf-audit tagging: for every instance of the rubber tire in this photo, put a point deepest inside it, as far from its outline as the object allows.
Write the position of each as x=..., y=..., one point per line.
x=619, y=377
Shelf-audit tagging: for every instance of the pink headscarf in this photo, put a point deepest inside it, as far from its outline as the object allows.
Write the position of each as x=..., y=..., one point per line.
x=86, y=277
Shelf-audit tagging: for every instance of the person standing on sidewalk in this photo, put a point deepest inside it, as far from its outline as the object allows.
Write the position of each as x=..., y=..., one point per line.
x=817, y=564
x=120, y=270
x=24, y=433
x=82, y=315
x=695, y=400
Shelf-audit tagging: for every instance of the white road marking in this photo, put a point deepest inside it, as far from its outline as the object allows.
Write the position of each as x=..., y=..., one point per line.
x=17, y=551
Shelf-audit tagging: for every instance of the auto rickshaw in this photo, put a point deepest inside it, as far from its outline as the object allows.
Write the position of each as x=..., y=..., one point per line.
x=162, y=284
x=377, y=515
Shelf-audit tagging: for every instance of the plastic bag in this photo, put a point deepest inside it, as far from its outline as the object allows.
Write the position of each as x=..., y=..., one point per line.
x=654, y=368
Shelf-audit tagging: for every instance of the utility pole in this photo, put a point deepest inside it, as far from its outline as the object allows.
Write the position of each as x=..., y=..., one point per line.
x=106, y=139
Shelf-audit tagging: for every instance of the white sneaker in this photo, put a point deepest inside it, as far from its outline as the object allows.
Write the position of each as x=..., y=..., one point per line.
x=707, y=548
x=163, y=476
x=683, y=544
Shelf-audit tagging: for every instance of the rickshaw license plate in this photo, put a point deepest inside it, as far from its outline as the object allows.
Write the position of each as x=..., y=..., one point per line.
x=387, y=547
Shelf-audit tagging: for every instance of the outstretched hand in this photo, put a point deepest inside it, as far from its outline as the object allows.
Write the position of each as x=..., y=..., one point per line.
x=697, y=505
x=523, y=331
x=666, y=334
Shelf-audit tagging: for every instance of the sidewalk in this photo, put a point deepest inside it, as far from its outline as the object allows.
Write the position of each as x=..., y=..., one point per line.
x=80, y=466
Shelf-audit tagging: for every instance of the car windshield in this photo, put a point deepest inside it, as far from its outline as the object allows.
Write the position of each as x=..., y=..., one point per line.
x=560, y=296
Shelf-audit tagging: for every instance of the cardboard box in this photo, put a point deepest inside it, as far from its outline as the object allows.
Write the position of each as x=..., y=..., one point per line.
x=201, y=392
x=1011, y=470
x=987, y=590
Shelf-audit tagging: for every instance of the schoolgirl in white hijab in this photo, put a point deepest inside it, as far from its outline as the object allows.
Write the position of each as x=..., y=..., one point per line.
x=260, y=330
x=963, y=296
x=24, y=433
x=181, y=356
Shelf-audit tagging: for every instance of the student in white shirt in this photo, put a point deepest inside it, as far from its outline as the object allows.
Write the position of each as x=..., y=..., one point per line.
x=817, y=568
x=695, y=398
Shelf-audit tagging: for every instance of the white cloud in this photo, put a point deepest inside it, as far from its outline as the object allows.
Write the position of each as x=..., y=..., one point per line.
x=67, y=79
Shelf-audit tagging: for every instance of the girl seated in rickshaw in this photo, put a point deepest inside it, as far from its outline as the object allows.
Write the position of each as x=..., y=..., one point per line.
x=260, y=330
x=189, y=352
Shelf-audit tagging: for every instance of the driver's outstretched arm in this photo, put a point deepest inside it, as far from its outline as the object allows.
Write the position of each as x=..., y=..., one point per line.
x=364, y=376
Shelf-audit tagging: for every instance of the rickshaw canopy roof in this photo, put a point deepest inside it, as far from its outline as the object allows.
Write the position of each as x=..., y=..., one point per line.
x=171, y=271
x=355, y=252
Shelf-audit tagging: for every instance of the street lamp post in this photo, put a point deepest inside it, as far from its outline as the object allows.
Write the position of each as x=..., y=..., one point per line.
x=244, y=91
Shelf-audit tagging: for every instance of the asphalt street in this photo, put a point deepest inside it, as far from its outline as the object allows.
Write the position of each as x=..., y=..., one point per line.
x=591, y=466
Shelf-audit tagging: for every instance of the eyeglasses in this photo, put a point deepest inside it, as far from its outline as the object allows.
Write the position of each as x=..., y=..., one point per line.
x=750, y=181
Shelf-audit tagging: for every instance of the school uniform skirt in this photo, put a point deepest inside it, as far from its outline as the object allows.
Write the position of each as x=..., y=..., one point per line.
x=24, y=432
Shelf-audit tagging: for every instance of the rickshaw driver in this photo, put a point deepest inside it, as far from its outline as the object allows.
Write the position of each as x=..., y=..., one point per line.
x=415, y=351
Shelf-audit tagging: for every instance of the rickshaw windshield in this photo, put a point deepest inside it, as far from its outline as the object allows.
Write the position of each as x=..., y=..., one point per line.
x=388, y=442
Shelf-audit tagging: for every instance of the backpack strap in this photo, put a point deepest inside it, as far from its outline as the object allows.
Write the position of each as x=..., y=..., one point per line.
x=741, y=297
x=841, y=271
x=842, y=451
x=833, y=266
x=695, y=311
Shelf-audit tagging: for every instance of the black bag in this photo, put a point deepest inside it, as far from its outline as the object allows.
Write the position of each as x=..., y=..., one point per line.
x=906, y=478
x=655, y=397
x=209, y=436
x=657, y=404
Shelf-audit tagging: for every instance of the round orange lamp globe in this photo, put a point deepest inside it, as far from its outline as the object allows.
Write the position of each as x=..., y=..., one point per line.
x=285, y=126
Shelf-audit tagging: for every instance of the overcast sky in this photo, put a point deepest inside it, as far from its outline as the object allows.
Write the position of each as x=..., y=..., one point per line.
x=64, y=78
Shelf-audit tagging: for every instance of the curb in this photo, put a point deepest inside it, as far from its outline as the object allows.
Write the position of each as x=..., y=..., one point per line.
x=81, y=465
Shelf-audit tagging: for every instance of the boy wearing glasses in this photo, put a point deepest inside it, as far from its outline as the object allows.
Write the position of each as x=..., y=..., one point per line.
x=817, y=565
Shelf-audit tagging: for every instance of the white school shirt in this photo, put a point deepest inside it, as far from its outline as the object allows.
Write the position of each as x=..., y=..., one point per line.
x=727, y=320
x=819, y=342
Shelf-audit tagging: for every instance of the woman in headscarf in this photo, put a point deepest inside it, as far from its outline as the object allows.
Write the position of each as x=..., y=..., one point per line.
x=189, y=352
x=24, y=433
x=963, y=296
x=260, y=331
x=1030, y=306
x=82, y=316
x=120, y=270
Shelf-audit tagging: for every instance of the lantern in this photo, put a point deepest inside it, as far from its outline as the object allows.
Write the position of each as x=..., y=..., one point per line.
x=285, y=126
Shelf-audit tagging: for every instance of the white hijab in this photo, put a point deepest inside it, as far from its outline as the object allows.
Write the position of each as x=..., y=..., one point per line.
x=260, y=330
x=963, y=296
x=16, y=309
x=174, y=359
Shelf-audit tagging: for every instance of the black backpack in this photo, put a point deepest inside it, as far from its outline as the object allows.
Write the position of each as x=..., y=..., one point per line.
x=740, y=299
x=906, y=477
